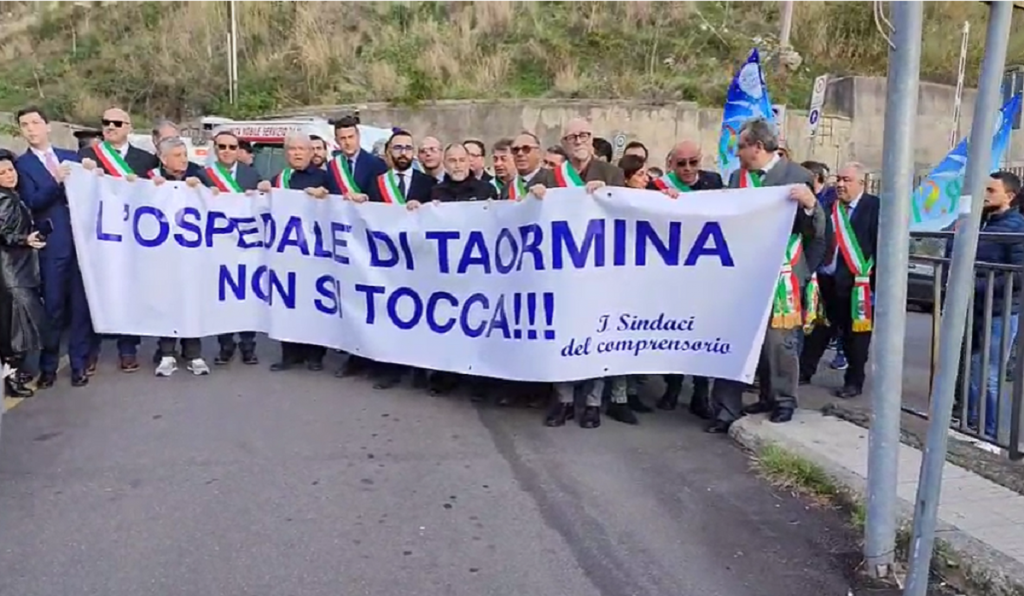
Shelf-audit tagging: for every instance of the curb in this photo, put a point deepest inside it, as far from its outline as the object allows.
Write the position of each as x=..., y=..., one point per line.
x=966, y=562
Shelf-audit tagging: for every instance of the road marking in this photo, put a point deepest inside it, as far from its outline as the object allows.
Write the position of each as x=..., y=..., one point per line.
x=12, y=402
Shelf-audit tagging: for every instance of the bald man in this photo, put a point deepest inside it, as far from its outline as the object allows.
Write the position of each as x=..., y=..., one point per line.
x=116, y=157
x=683, y=174
x=431, y=158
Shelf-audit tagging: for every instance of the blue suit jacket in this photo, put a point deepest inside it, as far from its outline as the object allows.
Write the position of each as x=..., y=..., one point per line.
x=368, y=167
x=45, y=197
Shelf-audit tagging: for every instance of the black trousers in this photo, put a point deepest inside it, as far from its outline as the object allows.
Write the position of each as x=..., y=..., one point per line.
x=838, y=309
x=674, y=386
x=292, y=353
x=246, y=341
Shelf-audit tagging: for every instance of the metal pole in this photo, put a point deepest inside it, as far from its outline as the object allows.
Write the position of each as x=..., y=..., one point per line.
x=891, y=313
x=234, y=51
x=787, y=23
x=954, y=134
x=959, y=289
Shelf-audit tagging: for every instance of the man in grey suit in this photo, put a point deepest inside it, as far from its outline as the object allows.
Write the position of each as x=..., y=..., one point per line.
x=779, y=366
x=230, y=175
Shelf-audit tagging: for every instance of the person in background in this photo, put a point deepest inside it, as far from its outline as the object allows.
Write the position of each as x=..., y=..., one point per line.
x=245, y=152
x=301, y=174
x=41, y=187
x=851, y=234
x=163, y=129
x=603, y=150
x=783, y=153
x=431, y=158
x=504, y=168
x=175, y=167
x=22, y=316
x=827, y=196
x=116, y=157
x=554, y=156
x=655, y=173
x=230, y=175
x=636, y=148
x=477, y=154
x=88, y=138
x=999, y=215
x=319, y=159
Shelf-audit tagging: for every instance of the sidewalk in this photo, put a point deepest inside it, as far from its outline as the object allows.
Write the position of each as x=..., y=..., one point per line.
x=980, y=522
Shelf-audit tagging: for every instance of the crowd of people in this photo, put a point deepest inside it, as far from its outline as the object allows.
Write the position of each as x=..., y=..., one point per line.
x=825, y=290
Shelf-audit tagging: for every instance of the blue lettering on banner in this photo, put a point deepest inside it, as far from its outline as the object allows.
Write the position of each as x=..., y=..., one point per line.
x=329, y=301
x=629, y=243
x=264, y=283
x=532, y=314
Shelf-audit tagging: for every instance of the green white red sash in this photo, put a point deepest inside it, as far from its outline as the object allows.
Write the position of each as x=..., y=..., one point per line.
x=786, y=311
x=387, y=184
x=517, y=189
x=670, y=180
x=497, y=184
x=814, y=309
x=154, y=173
x=750, y=180
x=566, y=176
x=112, y=161
x=284, y=179
x=846, y=240
x=343, y=175
x=222, y=178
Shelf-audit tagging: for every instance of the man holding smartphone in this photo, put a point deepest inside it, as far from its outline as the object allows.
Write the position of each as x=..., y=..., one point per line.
x=41, y=185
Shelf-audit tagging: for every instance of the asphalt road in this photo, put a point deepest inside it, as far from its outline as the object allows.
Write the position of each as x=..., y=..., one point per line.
x=248, y=482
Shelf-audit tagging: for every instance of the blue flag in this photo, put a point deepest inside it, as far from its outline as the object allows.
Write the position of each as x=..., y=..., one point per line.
x=936, y=202
x=747, y=98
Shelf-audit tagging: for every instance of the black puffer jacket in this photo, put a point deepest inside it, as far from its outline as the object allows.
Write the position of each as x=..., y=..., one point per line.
x=470, y=189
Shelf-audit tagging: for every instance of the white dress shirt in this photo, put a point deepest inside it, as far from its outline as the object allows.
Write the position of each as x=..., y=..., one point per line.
x=830, y=269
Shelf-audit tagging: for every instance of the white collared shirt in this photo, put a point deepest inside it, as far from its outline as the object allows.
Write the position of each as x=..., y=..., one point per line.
x=831, y=268
x=531, y=175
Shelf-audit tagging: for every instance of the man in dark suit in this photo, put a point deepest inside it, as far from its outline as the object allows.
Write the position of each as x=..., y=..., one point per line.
x=401, y=185
x=779, y=367
x=116, y=157
x=853, y=232
x=41, y=186
x=302, y=175
x=363, y=167
x=685, y=175
x=527, y=157
x=228, y=174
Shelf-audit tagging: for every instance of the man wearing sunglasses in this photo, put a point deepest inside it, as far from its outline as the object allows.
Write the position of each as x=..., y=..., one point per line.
x=685, y=175
x=116, y=157
x=527, y=155
x=229, y=174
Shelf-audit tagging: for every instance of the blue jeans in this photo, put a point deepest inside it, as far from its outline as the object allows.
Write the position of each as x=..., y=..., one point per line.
x=994, y=381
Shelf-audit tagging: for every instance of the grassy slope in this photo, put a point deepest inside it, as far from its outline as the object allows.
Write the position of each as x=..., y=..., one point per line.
x=168, y=58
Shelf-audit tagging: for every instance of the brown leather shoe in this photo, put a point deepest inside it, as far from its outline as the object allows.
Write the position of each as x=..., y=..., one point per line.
x=129, y=364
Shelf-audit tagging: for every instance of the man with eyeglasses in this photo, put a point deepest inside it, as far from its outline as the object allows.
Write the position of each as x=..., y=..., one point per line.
x=526, y=156
x=685, y=175
x=404, y=186
x=116, y=157
x=228, y=174
x=431, y=158
x=477, y=154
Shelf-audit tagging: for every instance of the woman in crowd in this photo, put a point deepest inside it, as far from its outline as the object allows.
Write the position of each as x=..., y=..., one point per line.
x=635, y=171
x=21, y=306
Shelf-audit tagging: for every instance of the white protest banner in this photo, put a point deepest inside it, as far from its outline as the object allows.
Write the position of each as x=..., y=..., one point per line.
x=571, y=287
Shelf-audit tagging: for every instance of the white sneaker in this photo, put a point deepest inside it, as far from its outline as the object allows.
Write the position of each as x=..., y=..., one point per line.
x=198, y=367
x=167, y=366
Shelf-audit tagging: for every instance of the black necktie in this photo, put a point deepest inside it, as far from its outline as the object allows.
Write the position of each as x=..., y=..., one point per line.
x=401, y=183
x=760, y=175
x=351, y=166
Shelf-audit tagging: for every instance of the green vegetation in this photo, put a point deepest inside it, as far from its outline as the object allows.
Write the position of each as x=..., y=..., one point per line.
x=169, y=58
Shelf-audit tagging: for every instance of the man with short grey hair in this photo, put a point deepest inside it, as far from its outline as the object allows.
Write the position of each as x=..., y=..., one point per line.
x=779, y=366
x=163, y=129
x=175, y=167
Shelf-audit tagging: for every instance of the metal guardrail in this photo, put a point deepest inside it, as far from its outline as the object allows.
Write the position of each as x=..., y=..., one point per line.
x=998, y=422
